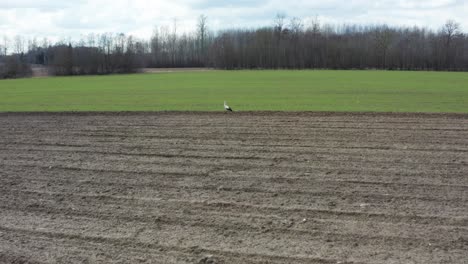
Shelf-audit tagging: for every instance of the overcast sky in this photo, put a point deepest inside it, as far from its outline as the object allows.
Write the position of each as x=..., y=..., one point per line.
x=60, y=19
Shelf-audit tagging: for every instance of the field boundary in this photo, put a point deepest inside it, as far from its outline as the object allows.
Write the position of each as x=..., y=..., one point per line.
x=241, y=113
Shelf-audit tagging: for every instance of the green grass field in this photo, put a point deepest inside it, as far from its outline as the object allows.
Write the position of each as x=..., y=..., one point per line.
x=382, y=91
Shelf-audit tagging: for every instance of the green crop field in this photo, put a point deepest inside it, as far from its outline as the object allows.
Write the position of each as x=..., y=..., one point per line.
x=387, y=91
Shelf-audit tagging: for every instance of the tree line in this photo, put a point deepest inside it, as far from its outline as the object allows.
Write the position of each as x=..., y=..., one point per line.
x=286, y=44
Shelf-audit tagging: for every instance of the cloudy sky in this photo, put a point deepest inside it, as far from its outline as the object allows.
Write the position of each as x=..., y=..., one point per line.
x=59, y=19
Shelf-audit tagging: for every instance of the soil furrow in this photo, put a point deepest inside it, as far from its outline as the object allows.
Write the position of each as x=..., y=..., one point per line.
x=247, y=187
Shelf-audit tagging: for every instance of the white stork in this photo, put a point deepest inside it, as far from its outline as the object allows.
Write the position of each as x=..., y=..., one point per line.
x=226, y=107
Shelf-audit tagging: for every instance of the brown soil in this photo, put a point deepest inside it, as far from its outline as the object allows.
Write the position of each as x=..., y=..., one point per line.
x=233, y=188
x=39, y=71
x=165, y=70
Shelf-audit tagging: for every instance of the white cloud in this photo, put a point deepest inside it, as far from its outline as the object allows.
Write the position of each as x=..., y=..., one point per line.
x=62, y=19
x=43, y=5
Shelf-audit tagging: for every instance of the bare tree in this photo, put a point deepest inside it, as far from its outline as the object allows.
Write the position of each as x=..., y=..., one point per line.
x=279, y=22
x=202, y=29
x=173, y=41
x=314, y=25
x=91, y=40
x=279, y=48
x=5, y=45
x=19, y=45
x=296, y=25
x=383, y=40
x=450, y=29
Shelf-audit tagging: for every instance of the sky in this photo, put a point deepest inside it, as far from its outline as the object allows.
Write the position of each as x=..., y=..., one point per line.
x=64, y=20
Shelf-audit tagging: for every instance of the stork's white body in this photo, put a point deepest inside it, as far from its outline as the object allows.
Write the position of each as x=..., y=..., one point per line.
x=226, y=107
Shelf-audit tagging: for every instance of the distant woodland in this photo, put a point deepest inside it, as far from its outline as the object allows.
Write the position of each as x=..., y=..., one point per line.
x=286, y=44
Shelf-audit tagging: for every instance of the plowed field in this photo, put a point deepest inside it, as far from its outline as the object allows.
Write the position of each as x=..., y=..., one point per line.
x=233, y=188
